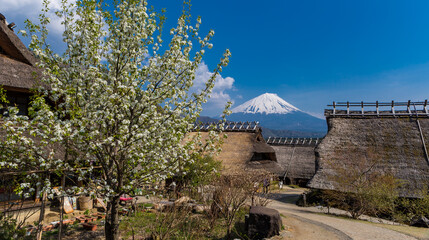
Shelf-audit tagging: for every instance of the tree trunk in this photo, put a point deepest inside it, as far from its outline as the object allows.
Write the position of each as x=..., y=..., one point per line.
x=41, y=218
x=112, y=220
x=60, y=230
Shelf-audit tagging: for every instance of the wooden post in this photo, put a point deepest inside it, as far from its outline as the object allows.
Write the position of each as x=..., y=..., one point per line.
x=348, y=107
x=376, y=106
x=408, y=107
x=425, y=108
x=423, y=141
x=63, y=183
x=41, y=217
x=334, y=108
x=361, y=104
x=422, y=138
x=393, y=107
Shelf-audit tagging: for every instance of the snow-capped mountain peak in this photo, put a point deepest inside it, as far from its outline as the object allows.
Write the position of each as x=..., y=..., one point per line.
x=266, y=103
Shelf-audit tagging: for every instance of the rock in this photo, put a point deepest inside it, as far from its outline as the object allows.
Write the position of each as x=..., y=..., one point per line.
x=164, y=205
x=263, y=222
x=420, y=222
x=182, y=201
x=198, y=208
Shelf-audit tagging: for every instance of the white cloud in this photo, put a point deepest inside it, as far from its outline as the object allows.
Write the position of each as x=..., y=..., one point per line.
x=19, y=10
x=219, y=96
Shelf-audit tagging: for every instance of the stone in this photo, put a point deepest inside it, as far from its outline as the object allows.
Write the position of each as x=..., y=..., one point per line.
x=182, y=201
x=198, y=208
x=263, y=222
x=164, y=205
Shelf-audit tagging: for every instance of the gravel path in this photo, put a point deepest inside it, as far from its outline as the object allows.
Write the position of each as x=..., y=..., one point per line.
x=342, y=228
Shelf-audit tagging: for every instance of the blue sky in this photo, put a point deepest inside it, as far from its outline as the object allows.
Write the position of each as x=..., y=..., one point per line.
x=308, y=52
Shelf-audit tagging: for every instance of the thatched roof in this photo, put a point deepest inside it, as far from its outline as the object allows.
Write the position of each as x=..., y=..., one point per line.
x=298, y=162
x=13, y=46
x=17, y=63
x=245, y=150
x=384, y=145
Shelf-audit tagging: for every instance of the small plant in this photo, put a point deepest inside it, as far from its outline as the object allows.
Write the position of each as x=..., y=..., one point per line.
x=9, y=230
x=148, y=205
x=86, y=212
x=231, y=193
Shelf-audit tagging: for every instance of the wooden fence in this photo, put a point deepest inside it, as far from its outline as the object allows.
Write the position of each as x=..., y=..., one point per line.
x=228, y=126
x=293, y=141
x=378, y=109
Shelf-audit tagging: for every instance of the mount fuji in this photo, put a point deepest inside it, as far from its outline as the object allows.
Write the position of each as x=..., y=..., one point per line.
x=276, y=114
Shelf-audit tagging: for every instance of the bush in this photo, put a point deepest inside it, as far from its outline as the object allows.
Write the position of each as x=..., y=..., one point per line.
x=375, y=197
x=9, y=230
x=408, y=209
x=232, y=192
x=362, y=188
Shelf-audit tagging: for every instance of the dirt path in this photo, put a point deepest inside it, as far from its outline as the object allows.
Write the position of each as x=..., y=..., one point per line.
x=303, y=221
x=299, y=228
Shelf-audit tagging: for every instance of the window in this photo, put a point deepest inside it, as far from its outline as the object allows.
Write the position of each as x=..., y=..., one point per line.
x=19, y=100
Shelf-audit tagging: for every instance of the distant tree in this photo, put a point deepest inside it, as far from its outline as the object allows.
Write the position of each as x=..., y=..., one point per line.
x=117, y=98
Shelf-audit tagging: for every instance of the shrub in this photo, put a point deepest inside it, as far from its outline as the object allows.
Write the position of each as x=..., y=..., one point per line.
x=362, y=188
x=9, y=230
x=232, y=192
x=408, y=209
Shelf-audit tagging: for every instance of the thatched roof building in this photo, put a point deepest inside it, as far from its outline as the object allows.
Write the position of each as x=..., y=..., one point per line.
x=244, y=148
x=17, y=67
x=297, y=158
x=392, y=141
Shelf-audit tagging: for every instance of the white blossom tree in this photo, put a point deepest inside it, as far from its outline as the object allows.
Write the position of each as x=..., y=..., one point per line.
x=117, y=98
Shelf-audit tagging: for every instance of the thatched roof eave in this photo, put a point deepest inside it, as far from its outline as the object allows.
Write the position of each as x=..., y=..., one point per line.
x=13, y=46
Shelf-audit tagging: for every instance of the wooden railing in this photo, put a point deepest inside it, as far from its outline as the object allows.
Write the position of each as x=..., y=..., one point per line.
x=378, y=109
x=228, y=126
x=293, y=141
